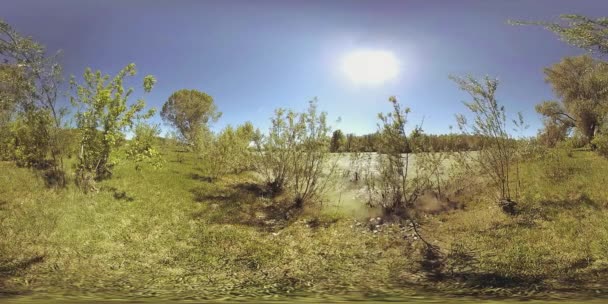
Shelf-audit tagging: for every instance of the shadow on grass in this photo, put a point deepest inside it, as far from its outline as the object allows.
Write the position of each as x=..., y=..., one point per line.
x=583, y=200
x=494, y=280
x=9, y=269
x=547, y=210
x=118, y=194
x=244, y=204
x=200, y=177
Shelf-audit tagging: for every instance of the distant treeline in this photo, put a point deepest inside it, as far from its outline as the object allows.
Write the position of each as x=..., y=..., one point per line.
x=416, y=142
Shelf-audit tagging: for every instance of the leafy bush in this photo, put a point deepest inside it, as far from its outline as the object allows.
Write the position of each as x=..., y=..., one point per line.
x=577, y=142
x=555, y=164
x=228, y=152
x=141, y=148
x=601, y=144
x=393, y=181
x=295, y=154
x=30, y=119
x=30, y=142
x=102, y=118
x=499, y=153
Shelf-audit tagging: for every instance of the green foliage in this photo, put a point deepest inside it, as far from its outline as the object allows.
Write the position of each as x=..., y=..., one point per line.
x=190, y=111
x=498, y=155
x=30, y=140
x=295, y=154
x=14, y=88
x=393, y=181
x=582, y=84
x=424, y=142
x=228, y=152
x=337, y=141
x=103, y=116
x=29, y=82
x=580, y=31
x=556, y=166
x=601, y=144
x=142, y=147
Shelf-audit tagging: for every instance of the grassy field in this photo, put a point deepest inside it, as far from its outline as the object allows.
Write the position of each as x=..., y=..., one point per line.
x=173, y=233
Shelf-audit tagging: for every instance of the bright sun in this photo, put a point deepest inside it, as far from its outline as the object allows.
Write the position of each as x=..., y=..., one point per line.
x=370, y=67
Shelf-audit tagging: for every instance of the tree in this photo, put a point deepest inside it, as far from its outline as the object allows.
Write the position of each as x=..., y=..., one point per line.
x=553, y=132
x=582, y=85
x=350, y=142
x=189, y=111
x=14, y=87
x=104, y=114
x=38, y=109
x=580, y=31
x=498, y=150
x=337, y=141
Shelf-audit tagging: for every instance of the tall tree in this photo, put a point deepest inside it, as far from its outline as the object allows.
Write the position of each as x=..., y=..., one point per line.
x=189, y=111
x=337, y=141
x=14, y=88
x=582, y=85
x=580, y=31
x=350, y=142
x=42, y=115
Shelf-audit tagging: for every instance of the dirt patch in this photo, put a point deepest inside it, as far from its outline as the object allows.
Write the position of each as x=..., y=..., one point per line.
x=432, y=202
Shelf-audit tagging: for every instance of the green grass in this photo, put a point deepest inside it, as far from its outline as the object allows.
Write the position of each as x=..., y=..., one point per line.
x=173, y=233
x=559, y=239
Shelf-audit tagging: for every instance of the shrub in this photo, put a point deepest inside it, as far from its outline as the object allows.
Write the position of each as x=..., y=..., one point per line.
x=555, y=164
x=498, y=154
x=228, y=152
x=102, y=118
x=393, y=181
x=601, y=144
x=141, y=148
x=30, y=142
x=29, y=86
x=294, y=156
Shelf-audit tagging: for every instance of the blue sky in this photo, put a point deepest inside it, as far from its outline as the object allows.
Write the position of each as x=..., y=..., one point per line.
x=254, y=56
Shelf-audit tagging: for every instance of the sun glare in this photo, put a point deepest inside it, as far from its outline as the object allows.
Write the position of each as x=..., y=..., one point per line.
x=370, y=67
